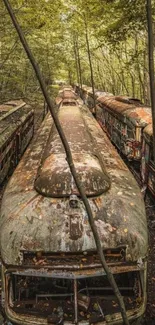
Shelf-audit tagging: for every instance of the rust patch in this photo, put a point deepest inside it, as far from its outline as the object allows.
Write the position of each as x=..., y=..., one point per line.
x=76, y=228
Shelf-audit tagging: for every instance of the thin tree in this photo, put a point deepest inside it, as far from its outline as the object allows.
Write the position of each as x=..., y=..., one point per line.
x=78, y=60
x=90, y=63
x=70, y=162
x=151, y=66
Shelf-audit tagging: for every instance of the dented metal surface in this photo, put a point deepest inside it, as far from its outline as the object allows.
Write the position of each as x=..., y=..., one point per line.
x=46, y=240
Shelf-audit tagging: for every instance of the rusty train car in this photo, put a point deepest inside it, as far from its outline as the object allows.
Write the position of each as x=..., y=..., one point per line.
x=51, y=272
x=65, y=94
x=16, y=131
x=126, y=121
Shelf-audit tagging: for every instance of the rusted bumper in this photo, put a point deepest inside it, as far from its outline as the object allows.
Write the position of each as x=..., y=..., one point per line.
x=84, y=307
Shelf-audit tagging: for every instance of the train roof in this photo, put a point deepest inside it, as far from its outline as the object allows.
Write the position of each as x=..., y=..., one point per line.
x=33, y=219
x=10, y=105
x=10, y=121
x=128, y=100
x=88, y=163
x=114, y=105
x=139, y=115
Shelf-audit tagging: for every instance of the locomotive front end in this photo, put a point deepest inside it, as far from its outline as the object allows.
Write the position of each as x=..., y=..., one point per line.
x=51, y=270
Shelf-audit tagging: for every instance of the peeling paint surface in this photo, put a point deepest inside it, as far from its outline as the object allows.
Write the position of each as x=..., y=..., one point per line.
x=114, y=104
x=88, y=164
x=33, y=222
x=137, y=113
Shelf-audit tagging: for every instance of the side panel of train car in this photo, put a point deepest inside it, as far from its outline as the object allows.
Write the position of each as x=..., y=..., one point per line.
x=147, y=163
x=124, y=124
x=50, y=267
x=16, y=131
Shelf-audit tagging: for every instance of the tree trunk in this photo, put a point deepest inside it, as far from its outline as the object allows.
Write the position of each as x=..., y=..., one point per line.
x=76, y=60
x=79, y=62
x=90, y=64
x=151, y=67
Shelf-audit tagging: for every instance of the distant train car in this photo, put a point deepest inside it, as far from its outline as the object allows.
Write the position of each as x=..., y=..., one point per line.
x=124, y=122
x=66, y=93
x=51, y=271
x=67, y=97
x=87, y=96
x=147, y=162
x=16, y=131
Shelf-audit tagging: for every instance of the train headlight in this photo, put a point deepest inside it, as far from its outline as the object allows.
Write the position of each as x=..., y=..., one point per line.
x=74, y=202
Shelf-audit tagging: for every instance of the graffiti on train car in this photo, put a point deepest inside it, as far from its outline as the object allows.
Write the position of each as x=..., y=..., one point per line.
x=125, y=119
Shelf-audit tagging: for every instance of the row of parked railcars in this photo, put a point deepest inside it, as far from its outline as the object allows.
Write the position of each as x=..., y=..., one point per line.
x=51, y=270
x=16, y=131
x=128, y=124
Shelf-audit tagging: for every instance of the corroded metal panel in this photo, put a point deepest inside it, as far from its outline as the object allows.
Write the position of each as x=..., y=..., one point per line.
x=115, y=105
x=140, y=116
x=33, y=222
x=54, y=177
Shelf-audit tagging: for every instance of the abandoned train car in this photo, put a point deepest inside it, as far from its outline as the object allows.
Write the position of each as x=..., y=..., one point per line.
x=65, y=94
x=124, y=122
x=123, y=118
x=16, y=131
x=51, y=271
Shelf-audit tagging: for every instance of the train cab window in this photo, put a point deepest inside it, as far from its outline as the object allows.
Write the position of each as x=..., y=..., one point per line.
x=69, y=104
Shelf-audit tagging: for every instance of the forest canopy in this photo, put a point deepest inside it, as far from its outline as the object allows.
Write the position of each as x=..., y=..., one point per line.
x=55, y=30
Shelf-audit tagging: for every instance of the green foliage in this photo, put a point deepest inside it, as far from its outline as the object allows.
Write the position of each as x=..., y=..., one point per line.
x=117, y=37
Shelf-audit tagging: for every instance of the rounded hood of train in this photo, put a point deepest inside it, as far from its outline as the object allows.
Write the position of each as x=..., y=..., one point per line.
x=32, y=223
